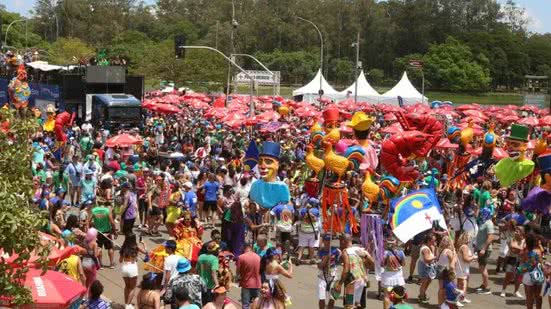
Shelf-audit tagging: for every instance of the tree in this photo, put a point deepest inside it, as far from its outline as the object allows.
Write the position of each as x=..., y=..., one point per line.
x=452, y=66
x=68, y=51
x=375, y=77
x=342, y=71
x=19, y=222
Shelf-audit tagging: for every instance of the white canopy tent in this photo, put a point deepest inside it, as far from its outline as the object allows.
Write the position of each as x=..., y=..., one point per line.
x=365, y=91
x=309, y=91
x=406, y=91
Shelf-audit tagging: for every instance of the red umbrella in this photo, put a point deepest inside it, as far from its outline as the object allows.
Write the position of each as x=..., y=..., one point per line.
x=477, y=130
x=510, y=118
x=529, y=121
x=264, y=106
x=545, y=121
x=476, y=113
x=498, y=153
x=122, y=140
x=345, y=128
x=166, y=109
x=467, y=107
x=390, y=117
x=473, y=119
x=234, y=116
x=511, y=107
x=445, y=112
x=445, y=143
x=393, y=129
x=269, y=116
x=53, y=289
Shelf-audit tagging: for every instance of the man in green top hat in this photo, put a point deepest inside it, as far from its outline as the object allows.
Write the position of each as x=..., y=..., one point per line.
x=517, y=140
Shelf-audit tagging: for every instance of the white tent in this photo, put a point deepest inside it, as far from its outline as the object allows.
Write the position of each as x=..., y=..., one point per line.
x=406, y=91
x=364, y=88
x=309, y=92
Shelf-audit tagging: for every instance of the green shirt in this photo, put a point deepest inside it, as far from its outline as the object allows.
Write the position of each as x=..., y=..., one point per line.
x=206, y=264
x=100, y=217
x=61, y=183
x=401, y=306
x=484, y=199
x=484, y=231
x=434, y=183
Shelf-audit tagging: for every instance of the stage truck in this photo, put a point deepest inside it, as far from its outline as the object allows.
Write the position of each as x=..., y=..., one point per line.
x=100, y=95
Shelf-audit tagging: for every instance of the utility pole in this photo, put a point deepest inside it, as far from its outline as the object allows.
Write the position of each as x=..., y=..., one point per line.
x=321, y=54
x=356, y=67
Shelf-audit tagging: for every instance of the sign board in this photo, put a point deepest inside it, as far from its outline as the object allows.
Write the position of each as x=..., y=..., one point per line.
x=416, y=63
x=259, y=77
x=540, y=100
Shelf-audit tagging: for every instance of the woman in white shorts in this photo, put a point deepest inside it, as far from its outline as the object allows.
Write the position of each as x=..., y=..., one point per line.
x=393, y=261
x=464, y=258
x=308, y=232
x=129, y=265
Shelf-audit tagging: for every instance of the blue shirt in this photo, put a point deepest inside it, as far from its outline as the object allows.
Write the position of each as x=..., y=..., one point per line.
x=520, y=219
x=451, y=293
x=75, y=173
x=190, y=200
x=211, y=191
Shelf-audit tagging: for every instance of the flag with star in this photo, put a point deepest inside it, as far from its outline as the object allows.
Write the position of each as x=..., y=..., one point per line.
x=415, y=213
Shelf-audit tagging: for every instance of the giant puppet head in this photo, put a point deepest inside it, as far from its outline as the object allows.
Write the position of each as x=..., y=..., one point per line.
x=361, y=123
x=517, y=140
x=331, y=125
x=268, y=161
x=18, y=88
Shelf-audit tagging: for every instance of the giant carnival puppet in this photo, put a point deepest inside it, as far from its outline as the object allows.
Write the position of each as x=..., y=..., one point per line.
x=516, y=167
x=421, y=133
x=538, y=199
x=19, y=90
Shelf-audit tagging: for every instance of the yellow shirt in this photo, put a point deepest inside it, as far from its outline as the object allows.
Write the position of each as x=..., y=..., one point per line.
x=69, y=266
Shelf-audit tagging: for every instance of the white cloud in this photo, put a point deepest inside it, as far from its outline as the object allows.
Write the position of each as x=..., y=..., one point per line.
x=534, y=22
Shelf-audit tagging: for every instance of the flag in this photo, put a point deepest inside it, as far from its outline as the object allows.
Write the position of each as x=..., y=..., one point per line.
x=414, y=213
x=251, y=157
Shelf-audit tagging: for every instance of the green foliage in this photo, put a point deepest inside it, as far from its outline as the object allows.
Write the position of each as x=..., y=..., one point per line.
x=452, y=66
x=19, y=222
x=295, y=67
x=375, y=76
x=69, y=51
x=342, y=71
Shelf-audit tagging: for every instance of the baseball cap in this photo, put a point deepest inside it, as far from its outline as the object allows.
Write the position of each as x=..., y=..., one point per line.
x=327, y=237
x=183, y=265
x=219, y=290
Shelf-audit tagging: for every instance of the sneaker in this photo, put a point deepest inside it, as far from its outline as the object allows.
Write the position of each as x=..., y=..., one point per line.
x=518, y=295
x=423, y=300
x=466, y=301
x=409, y=279
x=503, y=294
x=484, y=291
x=480, y=288
x=459, y=304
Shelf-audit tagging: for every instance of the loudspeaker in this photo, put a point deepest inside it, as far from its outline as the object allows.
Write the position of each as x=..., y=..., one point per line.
x=179, y=40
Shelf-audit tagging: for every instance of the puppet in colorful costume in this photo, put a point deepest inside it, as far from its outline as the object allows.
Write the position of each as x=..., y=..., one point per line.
x=479, y=165
x=361, y=123
x=386, y=189
x=539, y=198
x=516, y=167
x=19, y=90
x=268, y=191
x=463, y=138
x=62, y=121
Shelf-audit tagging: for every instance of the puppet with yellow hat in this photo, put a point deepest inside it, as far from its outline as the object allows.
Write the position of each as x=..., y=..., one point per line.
x=361, y=123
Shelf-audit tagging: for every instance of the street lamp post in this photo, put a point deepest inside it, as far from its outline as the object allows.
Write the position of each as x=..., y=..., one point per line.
x=236, y=65
x=8, y=30
x=356, y=67
x=321, y=53
x=264, y=67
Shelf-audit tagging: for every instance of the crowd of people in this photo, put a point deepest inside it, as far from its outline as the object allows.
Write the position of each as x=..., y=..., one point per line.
x=187, y=176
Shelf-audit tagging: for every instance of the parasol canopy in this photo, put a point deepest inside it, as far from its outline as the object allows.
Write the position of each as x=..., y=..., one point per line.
x=445, y=143
x=529, y=121
x=122, y=140
x=53, y=289
x=498, y=152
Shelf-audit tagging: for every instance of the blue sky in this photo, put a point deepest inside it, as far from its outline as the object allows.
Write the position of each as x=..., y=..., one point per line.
x=539, y=11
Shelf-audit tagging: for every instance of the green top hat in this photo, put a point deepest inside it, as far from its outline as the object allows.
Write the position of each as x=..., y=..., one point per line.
x=519, y=133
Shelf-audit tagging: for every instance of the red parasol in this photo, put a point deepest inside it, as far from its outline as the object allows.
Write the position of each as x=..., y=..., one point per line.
x=509, y=118
x=390, y=117
x=477, y=129
x=529, y=121
x=393, y=129
x=57, y=253
x=467, y=107
x=476, y=113
x=344, y=128
x=233, y=116
x=165, y=109
x=268, y=116
x=511, y=107
x=545, y=121
x=122, y=140
x=473, y=119
x=445, y=112
x=53, y=289
x=498, y=153
x=445, y=143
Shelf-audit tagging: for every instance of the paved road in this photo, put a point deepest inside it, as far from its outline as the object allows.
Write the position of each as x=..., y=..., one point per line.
x=302, y=288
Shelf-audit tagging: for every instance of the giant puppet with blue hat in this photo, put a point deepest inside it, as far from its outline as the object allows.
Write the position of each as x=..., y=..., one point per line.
x=268, y=191
x=516, y=167
x=539, y=198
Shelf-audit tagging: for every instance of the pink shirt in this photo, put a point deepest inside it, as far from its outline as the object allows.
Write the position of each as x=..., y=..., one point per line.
x=248, y=268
